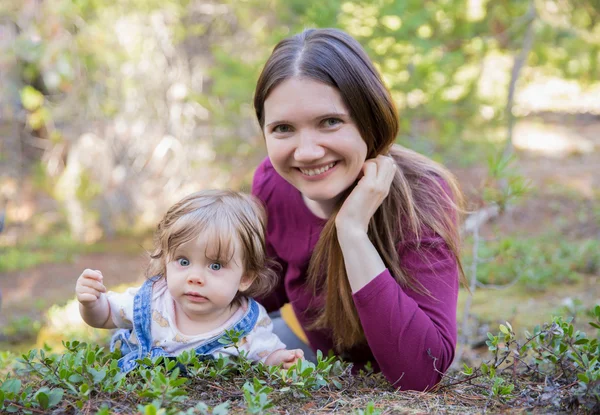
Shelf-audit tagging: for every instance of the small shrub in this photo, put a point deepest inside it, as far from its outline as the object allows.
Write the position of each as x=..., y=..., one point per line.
x=555, y=355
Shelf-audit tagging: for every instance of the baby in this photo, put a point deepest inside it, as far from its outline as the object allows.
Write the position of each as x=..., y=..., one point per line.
x=209, y=260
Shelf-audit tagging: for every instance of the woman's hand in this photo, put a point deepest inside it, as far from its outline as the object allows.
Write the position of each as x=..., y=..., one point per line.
x=368, y=194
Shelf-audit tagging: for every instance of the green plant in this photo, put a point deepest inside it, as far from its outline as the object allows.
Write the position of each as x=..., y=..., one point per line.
x=256, y=394
x=566, y=359
x=504, y=184
x=305, y=376
x=161, y=381
x=369, y=410
x=199, y=409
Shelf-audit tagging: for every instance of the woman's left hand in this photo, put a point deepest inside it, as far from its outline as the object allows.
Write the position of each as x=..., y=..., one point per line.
x=368, y=194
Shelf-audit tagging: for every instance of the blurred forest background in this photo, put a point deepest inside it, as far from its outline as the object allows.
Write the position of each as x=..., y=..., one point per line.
x=112, y=110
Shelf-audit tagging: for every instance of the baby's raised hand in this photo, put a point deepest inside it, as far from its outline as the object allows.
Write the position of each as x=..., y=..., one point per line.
x=285, y=358
x=89, y=287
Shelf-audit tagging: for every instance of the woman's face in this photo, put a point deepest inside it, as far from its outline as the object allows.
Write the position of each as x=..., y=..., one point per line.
x=312, y=141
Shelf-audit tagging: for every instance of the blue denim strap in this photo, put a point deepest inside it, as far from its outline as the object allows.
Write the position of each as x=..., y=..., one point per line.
x=142, y=322
x=142, y=316
x=244, y=325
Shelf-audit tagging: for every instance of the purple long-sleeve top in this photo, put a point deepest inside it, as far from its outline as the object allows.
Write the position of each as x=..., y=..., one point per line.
x=411, y=336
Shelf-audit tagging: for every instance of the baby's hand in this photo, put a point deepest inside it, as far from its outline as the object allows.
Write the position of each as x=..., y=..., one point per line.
x=286, y=358
x=89, y=287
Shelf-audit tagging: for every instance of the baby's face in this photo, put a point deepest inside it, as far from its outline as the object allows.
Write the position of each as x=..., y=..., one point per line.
x=202, y=285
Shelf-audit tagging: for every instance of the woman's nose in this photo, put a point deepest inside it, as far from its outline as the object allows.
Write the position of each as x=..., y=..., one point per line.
x=308, y=149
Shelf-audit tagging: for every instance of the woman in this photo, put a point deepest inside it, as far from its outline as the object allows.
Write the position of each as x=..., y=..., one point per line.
x=365, y=231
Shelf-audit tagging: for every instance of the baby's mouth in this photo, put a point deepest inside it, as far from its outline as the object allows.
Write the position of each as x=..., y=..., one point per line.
x=195, y=296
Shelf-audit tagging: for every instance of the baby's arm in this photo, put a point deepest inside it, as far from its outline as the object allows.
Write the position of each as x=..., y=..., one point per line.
x=93, y=304
x=287, y=358
x=262, y=344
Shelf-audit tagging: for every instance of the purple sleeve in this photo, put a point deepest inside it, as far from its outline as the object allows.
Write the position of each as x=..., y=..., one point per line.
x=412, y=334
x=262, y=189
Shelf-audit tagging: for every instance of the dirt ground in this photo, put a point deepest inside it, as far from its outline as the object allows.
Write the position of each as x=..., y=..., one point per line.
x=30, y=292
x=565, y=174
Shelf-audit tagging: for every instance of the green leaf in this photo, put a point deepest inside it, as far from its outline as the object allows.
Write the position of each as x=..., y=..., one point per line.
x=97, y=375
x=75, y=378
x=582, y=341
x=307, y=372
x=583, y=377
x=221, y=409
x=90, y=358
x=12, y=386
x=504, y=329
x=43, y=400
x=55, y=396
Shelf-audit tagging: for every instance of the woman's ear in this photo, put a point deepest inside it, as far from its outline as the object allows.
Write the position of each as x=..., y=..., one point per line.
x=246, y=281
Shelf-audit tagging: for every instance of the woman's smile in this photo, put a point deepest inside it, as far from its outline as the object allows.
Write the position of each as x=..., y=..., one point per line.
x=318, y=172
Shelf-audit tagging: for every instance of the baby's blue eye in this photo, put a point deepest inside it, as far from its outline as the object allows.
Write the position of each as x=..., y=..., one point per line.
x=215, y=266
x=183, y=262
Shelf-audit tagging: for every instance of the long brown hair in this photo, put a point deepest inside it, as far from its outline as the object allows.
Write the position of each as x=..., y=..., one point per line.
x=423, y=194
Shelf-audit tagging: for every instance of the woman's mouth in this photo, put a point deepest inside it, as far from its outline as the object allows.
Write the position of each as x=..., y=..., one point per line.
x=317, y=172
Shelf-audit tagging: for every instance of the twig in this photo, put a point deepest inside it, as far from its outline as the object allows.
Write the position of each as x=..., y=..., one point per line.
x=498, y=286
x=473, y=285
x=520, y=60
x=37, y=411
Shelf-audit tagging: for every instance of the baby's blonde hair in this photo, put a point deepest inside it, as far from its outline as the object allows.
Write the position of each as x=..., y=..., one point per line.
x=222, y=214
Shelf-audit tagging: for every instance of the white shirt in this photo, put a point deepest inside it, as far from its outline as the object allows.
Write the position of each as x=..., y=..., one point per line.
x=257, y=345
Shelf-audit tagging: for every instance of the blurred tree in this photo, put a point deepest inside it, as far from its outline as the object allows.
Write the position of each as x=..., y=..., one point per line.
x=162, y=90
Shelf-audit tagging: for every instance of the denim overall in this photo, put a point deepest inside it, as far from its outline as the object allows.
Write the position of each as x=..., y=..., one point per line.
x=142, y=322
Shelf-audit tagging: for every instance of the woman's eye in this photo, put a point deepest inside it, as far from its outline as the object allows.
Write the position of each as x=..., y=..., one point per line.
x=331, y=122
x=183, y=262
x=215, y=266
x=282, y=129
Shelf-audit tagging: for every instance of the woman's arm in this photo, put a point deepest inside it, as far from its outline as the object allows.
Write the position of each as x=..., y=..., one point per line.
x=413, y=335
x=363, y=262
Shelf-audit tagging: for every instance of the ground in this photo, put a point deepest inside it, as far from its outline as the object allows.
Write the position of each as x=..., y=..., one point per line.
x=565, y=174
